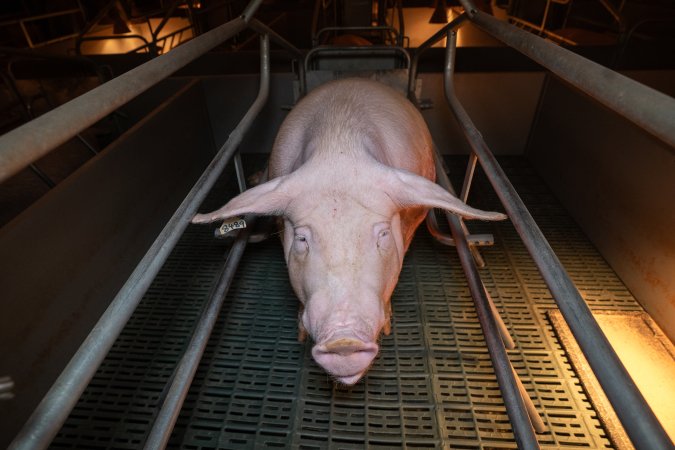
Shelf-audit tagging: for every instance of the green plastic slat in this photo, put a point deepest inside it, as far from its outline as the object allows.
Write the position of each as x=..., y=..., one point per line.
x=432, y=386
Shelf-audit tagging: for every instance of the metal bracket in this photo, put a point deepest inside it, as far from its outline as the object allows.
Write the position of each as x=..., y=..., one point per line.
x=474, y=240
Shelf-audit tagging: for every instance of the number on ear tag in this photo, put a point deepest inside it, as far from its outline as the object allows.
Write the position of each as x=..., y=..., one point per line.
x=229, y=226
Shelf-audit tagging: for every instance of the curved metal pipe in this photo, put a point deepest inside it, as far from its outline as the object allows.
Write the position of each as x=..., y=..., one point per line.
x=437, y=36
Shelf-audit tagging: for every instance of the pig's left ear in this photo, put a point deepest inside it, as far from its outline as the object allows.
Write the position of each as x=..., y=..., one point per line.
x=270, y=198
x=408, y=190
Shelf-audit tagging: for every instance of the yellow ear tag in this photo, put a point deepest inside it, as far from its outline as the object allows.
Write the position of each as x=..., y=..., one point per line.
x=229, y=226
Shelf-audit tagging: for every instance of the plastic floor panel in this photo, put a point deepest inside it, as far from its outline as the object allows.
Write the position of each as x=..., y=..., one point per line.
x=432, y=386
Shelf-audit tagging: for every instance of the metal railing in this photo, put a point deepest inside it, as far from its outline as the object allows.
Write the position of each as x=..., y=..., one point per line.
x=51, y=413
x=29, y=142
x=155, y=45
x=646, y=107
x=23, y=24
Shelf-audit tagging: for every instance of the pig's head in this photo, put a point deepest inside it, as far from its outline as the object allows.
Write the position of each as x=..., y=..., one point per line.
x=344, y=242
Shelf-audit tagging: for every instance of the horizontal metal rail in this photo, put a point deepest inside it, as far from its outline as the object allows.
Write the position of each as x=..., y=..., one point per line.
x=53, y=410
x=648, y=108
x=640, y=423
x=357, y=52
x=31, y=141
x=392, y=32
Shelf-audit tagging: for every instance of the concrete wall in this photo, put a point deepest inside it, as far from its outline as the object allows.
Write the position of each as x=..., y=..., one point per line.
x=64, y=259
x=619, y=185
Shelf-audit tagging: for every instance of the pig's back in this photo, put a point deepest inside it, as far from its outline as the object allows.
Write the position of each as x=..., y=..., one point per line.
x=358, y=118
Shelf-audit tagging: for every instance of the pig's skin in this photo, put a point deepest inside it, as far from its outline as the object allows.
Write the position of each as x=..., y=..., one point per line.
x=351, y=175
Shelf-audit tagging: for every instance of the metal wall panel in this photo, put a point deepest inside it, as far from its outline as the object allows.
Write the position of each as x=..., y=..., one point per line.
x=64, y=258
x=619, y=184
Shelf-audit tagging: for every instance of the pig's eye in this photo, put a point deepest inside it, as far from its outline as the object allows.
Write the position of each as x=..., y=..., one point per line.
x=384, y=239
x=300, y=245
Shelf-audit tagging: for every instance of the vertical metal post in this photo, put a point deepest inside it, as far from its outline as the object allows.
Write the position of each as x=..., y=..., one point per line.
x=239, y=170
x=412, y=72
x=468, y=177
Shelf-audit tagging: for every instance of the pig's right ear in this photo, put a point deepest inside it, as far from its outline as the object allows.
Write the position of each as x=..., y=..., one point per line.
x=270, y=198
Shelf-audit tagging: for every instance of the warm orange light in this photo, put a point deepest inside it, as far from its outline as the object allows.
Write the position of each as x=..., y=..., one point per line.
x=116, y=46
x=649, y=358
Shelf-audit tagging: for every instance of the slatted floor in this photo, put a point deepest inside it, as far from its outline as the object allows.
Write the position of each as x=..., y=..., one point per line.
x=432, y=386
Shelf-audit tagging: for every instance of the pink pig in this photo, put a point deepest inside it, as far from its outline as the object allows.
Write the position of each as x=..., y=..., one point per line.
x=351, y=174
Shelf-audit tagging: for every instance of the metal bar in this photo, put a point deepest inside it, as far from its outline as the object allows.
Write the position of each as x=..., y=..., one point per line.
x=167, y=15
x=42, y=176
x=468, y=177
x=642, y=105
x=445, y=239
x=440, y=34
x=391, y=29
x=514, y=402
x=532, y=413
x=469, y=7
x=503, y=329
x=641, y=424
x=31, y=141
x=183, y=375
x=357, y=51
x=54, y=408
x=478, y=258
x=250, y=10
x=261, y=28
x=466, y=185
x=401, y=26
x=239, y=170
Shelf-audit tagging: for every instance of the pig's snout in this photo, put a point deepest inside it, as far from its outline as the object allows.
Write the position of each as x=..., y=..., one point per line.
x=347, y=359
